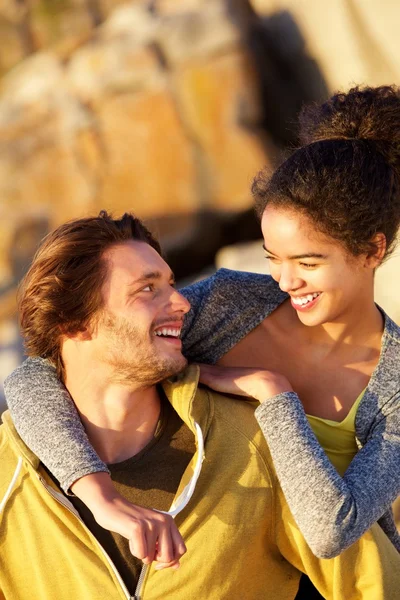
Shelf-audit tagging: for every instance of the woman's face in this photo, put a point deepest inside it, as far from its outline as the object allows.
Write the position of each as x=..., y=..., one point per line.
x=325, y=282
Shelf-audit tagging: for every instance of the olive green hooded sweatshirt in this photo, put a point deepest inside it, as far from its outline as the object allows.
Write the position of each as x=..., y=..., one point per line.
x=242, y=541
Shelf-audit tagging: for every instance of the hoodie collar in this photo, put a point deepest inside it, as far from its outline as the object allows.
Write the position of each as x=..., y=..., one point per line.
x=193, y=405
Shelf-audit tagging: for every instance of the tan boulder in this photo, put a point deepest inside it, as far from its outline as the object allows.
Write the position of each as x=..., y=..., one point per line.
x=152, y=113
x=218, y=102
x=149, y=167
x=42, y=158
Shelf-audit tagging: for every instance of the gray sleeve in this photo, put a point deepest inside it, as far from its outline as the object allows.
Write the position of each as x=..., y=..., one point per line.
x=224, y=308
x=331, y=511
x=46, y=419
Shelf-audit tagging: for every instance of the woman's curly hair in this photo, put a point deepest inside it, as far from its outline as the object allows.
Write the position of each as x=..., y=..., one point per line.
x=346, y=176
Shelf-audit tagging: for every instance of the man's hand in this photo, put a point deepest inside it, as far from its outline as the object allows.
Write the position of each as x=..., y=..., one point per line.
x=254, y=383
x=152, y=535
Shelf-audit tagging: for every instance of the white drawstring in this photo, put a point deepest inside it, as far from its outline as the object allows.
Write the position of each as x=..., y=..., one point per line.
x=11, y=486
x=180, y=503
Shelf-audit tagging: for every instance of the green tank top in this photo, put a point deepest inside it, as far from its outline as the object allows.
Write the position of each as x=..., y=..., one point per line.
x=338, y=439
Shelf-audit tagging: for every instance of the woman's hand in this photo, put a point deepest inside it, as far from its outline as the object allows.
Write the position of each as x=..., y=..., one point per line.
x=152, y=535
x=243, y=381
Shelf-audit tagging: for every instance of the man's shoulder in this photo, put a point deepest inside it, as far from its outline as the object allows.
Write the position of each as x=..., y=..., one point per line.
x=234, y=406
x=236, y=416
x=4, y=441
x=235, y=439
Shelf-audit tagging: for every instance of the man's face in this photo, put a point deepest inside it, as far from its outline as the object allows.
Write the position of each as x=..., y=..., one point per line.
x=137, y=331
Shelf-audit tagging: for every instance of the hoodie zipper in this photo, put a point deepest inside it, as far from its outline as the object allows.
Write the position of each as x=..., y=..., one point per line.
x=67, y=504
x=179, y=503
x=140, y=582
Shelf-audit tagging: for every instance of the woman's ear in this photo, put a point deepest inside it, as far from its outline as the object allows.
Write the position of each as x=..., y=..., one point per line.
x=378, y=250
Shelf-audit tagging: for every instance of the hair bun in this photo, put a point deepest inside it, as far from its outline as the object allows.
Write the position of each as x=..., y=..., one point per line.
x=370, y=114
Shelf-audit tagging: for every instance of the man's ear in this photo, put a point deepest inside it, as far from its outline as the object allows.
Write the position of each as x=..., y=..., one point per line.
x=83, y=335
x=378, y=250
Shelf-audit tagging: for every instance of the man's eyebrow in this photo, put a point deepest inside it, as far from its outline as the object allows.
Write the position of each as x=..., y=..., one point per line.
x=150, y=276
x=298, y=256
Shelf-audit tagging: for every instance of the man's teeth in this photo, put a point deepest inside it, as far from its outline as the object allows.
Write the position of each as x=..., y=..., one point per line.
x=301, y=300
x=168, y=332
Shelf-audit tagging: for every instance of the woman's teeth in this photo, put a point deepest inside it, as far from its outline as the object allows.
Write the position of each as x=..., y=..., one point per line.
x=302, y=300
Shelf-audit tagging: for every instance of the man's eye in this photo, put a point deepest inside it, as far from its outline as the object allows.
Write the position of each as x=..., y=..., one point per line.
x=309, y=265
x=269, y=257
x=148, y=288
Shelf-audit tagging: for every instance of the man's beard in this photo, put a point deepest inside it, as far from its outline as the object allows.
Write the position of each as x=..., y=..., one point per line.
x=133, y=356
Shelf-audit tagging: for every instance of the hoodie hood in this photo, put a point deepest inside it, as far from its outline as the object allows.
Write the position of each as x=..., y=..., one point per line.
x=193, y=404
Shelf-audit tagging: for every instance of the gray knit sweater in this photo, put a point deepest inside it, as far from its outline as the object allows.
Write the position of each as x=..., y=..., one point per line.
x=331, y=511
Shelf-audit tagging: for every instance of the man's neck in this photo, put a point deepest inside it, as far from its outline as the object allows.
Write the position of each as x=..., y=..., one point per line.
x=120, y=420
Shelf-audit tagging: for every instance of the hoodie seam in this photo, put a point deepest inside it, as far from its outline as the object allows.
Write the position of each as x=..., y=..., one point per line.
x=210, y=414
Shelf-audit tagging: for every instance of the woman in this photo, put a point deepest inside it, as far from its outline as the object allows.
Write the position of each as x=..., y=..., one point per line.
x=330, y=215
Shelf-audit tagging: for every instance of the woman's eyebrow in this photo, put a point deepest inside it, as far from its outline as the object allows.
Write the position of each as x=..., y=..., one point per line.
x=308, y=255
x=266, y=250
x=297, y=256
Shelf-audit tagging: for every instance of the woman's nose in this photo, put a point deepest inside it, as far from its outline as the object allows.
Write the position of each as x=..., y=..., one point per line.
x=288, y=279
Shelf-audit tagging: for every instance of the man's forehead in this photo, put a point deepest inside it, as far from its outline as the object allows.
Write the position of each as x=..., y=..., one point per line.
x=134, y=260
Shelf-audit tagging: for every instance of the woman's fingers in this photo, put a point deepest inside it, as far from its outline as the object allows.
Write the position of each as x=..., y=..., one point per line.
x=260, y=384
x=165, y=552
x=220, y=379
x=158, y=539
x=172, y=565
x=138, y=542
x=179, y=544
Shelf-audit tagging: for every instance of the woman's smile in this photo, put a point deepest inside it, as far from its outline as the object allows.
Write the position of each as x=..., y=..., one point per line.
x=305, y=302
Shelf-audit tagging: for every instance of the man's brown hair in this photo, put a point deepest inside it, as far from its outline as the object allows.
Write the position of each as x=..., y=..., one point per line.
x=61, y=291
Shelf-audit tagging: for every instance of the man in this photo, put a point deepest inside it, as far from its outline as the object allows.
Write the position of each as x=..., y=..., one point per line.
x=99, y=302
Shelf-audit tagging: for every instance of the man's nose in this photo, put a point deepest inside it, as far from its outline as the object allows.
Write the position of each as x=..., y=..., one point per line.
x=179, y=302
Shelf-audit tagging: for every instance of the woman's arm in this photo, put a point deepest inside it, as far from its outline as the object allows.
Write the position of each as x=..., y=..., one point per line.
x=44, y=413
x=46, y=419
x=331, y=511
x=224, y=308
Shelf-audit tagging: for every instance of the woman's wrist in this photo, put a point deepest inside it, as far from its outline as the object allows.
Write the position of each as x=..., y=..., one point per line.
x=270, y=387
x=94, y=489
